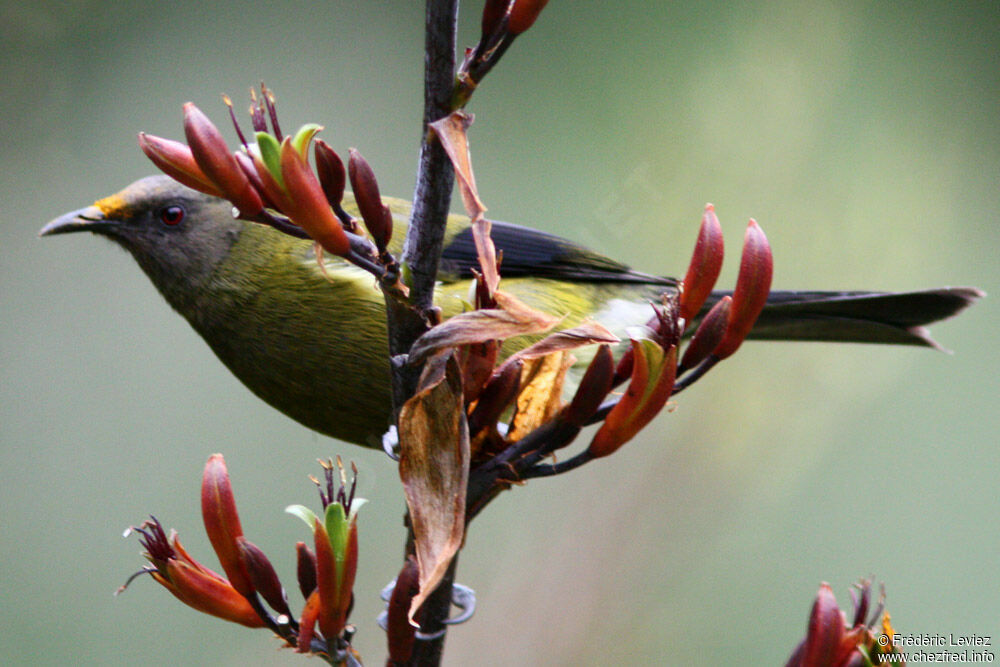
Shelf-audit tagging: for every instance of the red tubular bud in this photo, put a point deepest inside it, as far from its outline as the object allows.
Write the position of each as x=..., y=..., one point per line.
x=826, y=629
x=207, y=594
x=263, y=576
x=707, y=336
x=307, y=623
x=752, y=287
x=624, y=369
x=272, y=191
x=498, y=393
x=347, y=571
x=331, y=617
x=594, y=387
x=307, y=204
x=400, y=633
x=523, y=14
x=213, y=156
x=494, y=12
x=247, y=165
x=176, y=161
x=306, y=569
x=377, y=217
x=653, y=373
x=706, y=263
x=222, y=523
x=477, y=368
x=332, y=175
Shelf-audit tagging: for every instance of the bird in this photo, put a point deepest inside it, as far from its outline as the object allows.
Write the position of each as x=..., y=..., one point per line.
x=310, y=340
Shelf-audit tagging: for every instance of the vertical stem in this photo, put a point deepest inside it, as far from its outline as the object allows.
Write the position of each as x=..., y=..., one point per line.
x=431, y=199
x=429, y=652
x=435, y=176
x=421, y=257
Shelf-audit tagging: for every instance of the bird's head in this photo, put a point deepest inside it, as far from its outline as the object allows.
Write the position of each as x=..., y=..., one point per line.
x=178, y=235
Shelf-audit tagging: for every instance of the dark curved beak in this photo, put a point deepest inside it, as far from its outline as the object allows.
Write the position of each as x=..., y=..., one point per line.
x=89, y=219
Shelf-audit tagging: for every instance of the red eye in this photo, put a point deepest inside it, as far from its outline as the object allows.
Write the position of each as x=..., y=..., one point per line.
x=172, y=215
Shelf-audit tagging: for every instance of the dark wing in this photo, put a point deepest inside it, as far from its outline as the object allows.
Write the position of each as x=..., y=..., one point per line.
x=529, y=252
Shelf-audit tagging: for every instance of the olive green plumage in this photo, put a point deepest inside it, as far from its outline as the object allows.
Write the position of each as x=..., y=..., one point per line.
x=314, y=345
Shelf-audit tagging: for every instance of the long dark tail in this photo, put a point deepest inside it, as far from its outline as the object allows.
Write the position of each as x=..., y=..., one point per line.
x=860, y=317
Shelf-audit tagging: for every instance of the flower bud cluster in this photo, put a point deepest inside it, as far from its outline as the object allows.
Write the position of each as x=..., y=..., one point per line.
x=831, y=642
x=270, y=180
x=325, y=572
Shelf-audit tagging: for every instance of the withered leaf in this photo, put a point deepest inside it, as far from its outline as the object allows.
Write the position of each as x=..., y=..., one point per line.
x=452, y=131
x=540, y=397
x=512, y=318
x=586, y=333
x=486, y=252
x=434, y=469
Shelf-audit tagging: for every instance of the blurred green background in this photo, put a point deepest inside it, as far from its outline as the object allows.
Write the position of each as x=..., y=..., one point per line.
x=863, y=136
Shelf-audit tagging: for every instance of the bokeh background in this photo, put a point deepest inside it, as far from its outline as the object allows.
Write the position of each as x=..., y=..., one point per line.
x=863, y=136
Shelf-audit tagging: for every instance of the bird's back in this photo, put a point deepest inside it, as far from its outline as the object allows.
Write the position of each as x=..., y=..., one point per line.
x=313, y=344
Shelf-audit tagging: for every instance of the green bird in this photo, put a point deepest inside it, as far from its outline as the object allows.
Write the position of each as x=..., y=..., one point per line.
x=312, y=343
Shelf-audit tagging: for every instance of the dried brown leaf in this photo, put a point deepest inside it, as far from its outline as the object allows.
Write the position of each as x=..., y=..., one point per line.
x=541, y=392
x=452, y=131
x=434, y=469
x=486, y=252
x=586, y=333
x=512, y=318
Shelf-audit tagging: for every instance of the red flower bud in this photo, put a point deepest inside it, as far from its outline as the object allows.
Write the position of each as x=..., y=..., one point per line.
x=498, y=393
x=707, y=336
x=222, y=523
x=494, y=12
x=706, y=262
x=271, y=189
x=593, y=388
x=752, y=288
x=826, y=629
x=176, y=161
x=623, y=370
x=400, y=633
x=523, y=14
x=478, y=361
x=212, y=155
x=307, y=622
x=377, y=216
x=207, y=594
x=265, y=579
x=306, y=568
x=307, y=204
x=330, y=168
x=653, y=373
x=246, y=163
x=331, y=617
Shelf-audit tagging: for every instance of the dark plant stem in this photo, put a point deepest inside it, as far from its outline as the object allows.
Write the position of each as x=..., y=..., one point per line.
x=409, y=318
x=435, y=175
x=428, y=650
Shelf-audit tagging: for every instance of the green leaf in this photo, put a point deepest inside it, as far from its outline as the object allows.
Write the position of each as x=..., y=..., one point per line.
x=655, y=362
x=270, y=153
x=303, y=513
x=337, y=528
x=302, y=138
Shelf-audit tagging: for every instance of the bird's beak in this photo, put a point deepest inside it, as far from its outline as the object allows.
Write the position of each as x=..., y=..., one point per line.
x=89, y=219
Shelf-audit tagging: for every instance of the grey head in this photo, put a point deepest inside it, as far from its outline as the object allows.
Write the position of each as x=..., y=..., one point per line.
x=177, y=235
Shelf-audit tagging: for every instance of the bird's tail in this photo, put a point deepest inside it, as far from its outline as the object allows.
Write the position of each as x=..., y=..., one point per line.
x=859, y=317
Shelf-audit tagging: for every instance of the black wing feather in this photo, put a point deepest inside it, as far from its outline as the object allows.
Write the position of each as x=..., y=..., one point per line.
x=529, y=252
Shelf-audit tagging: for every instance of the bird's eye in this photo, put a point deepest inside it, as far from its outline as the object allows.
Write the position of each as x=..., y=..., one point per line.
x=171, y=215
